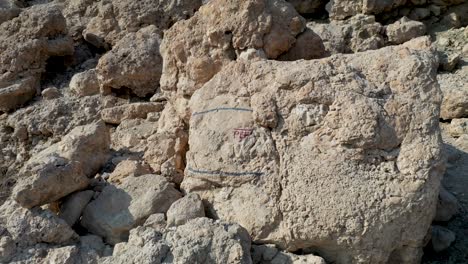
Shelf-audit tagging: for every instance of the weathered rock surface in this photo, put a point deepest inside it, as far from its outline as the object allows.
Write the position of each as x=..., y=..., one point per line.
x=29, y=227
x=341, y=9
x=326, y=155
x=199, y=241
x=194, y=50
x=120, y=208
x=308, y=46
x=115, y=19
x=85, y=83
x=134, y=63
x=185, y=209
x=73, y=205
x=26, y=42
x=64, y=167
x=263, y=254
x=404, y=30
x=115, y=115
x=128, y=168
x=359, y=33
x=9, y=9
x=455, y=90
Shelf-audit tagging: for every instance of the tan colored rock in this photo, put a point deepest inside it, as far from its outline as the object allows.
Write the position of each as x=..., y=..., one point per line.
x=201, y=240
x=194, y=50
x=73, y=206
x=49, y=180
x=50, y=93
x=404, y=30
x=128, y=168
x=308, y=46
x=263, y=254
x=29, y=227
x=156, y=222
x=64, y=167
x=358, y=33
x=454, y=86
x=345, y=171
x=341, y=9
x=134, y=62
x=185, y=209
x=26, y=42
x=115, y=115
x=120, y=208
x=457, y=127
x=85, y=83
x=115, y=19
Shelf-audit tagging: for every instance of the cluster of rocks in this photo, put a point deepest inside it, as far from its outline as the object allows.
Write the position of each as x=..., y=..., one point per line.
x=227, y=131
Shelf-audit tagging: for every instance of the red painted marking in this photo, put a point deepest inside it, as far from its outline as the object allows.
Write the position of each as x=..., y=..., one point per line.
x=241, y=133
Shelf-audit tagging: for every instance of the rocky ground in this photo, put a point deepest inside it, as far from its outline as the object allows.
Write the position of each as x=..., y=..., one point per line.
x=234, y=131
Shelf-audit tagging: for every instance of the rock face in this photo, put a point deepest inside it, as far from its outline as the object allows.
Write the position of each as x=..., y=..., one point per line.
x=71, y=209
x=85, y=83
x=341, y=9
x=321, y=155
x=115, y=115
x=29, y=227
x=455, y=89
x=134, y=63
x=120, y=208
x=64, y=167
x=194, y=50
x=264, y=254
x=199, y=241
x=404, y=30
x=359, y=33
x=26, y=42
x=115, y=19
x=185, y=209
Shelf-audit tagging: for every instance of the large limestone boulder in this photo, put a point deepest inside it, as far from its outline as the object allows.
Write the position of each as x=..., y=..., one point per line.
x=201, y=240
x=112, y=20
x=194, y=50
x=63, y=167
x=340, y=156
x=29, y=227
x=26, y=42
x=133, y=63
x=120, y=208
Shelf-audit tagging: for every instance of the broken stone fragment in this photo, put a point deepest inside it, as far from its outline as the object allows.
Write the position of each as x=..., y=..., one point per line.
x=404, y=30
x=85, y=83
x=120, y=208
x=447, y=206
x=117, y=114
x=187, y=208
x=128, y=168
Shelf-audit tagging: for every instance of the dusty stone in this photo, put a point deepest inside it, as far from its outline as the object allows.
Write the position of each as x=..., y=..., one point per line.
x=92, y=242
x=49, y=180
x=269, y=179
x=157, y=222
x=442, y=238
x=50, y=93
x=194, y=50
x=448, y=62
x=404, y=30
x=185, y=209
x=263, y=254
x=115, y=19
x=458, y=127
x=359, y=33
x=308, y=46
x=134, y=62
x=341, y=9
x=128, y=168
x=199, y=241
x=29, y=227
x=71, y=209
x=65, y=255
x=116, y=114
x=447, y=206
x=120, y=208
x=26, y=42
x=85, y=83
x=455, y=89
x=7, y=248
